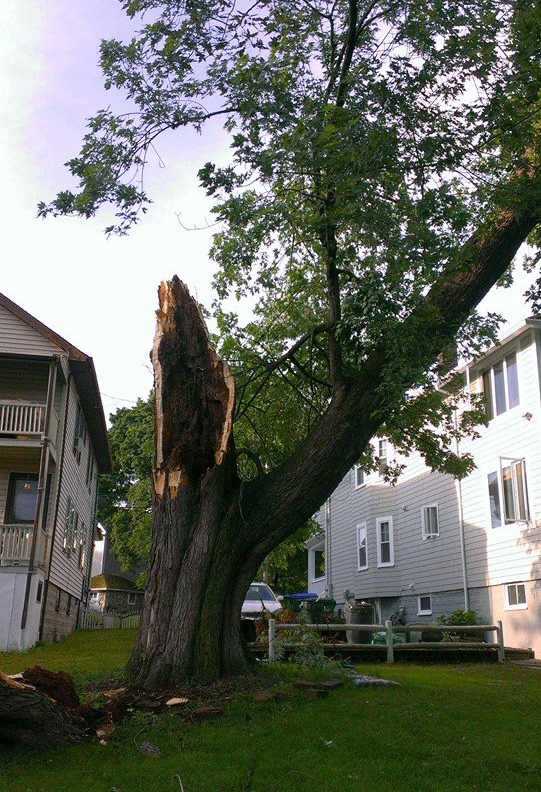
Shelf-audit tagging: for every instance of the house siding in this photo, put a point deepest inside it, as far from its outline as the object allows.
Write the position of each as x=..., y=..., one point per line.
x=458, y=573
x=65, y=571
x=17, y=336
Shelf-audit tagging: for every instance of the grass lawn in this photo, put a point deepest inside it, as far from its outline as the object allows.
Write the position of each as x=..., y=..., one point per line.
x=459, y=728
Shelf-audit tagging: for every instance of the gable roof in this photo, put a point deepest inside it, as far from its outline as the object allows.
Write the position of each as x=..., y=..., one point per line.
x=112, y=582
x=84, y=375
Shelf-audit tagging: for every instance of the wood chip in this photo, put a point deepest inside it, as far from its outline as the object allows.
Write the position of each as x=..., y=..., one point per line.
x=113, y=693
x=175, y=702
x=107, y=728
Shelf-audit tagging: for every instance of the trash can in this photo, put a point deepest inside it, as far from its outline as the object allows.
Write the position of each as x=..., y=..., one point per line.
x=359, y=613
x=319, y=609
x=293, y=602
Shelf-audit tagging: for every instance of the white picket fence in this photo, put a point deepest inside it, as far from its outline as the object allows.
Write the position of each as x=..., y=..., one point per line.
x=96, y=620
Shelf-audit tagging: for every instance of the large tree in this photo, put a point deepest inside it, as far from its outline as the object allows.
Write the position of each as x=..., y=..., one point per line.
x=125, y=503
x=384, y=173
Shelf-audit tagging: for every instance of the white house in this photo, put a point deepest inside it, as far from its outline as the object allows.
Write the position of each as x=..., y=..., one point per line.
x=431, y=544
x=53, y=443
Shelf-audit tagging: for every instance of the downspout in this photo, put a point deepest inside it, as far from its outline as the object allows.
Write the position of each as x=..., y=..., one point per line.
x=458, y=486
x=42, y=478
x=328, y=560
x=57, y=501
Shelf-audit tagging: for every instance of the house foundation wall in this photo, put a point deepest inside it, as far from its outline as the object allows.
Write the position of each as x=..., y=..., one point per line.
x=60, y=617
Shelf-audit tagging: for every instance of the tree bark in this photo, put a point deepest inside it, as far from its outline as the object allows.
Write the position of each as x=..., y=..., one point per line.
x=190, y=627
x=29, y=717
x=210, y=531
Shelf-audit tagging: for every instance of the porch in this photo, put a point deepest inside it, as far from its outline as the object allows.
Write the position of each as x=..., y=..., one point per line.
x=16, y=544
x=23, y=420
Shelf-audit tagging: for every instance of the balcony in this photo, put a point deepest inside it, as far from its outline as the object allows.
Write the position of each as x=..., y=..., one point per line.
x=15, y=544
x=20, y=420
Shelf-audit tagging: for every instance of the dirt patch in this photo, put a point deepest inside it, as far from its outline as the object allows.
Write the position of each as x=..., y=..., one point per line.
x=56, y=684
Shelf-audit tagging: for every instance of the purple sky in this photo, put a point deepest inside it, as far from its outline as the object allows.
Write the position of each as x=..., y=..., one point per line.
x=100, y=294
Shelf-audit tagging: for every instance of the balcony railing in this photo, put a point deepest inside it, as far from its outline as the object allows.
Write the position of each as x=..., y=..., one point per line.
x=15, y=544
x=22, y=418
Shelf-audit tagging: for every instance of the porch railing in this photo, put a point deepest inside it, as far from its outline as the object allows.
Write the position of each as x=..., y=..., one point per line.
x=15, y=544
x=21, y=418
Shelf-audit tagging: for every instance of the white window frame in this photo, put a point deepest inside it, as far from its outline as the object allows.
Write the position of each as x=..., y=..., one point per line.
x=383, y=455
x=380, y=521
x=519, y=492
x=358, y=472
x=517, y=605
x=362, y=536
x=424, y=611
x=131, y=598
x=312, y=566
x=489, y=389
x=424, y=521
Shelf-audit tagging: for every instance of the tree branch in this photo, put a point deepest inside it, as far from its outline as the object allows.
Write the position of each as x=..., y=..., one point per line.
x=355, y=410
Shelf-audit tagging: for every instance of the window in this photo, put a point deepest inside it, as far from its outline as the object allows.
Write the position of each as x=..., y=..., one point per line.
x=79, y=434
x=508, y=493
x=70, y=528
x=424, y=605
x=500, y=386
x=362, y=550
x=359, y=476
x=382, y=455
x=90, y=468
x=384, y=529
x=39, y=592
x=82, y=545
x=131, y=598
x=319, y=564
x=57, y=600
x=21, y=498
x=68, y=605
x=430, y=521
x=515, y=596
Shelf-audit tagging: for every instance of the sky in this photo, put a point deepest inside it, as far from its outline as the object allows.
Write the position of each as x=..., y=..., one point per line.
x=99, y=293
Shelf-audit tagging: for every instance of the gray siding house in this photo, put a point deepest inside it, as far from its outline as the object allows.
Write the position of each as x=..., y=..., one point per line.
x=431, y=544
x=53, y=443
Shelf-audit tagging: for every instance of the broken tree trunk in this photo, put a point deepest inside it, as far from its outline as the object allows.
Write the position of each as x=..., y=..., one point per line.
x=190, y=626
x=30, y=718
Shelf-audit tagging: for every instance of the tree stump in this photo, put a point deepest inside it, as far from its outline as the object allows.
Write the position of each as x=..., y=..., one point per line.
x=31, y=718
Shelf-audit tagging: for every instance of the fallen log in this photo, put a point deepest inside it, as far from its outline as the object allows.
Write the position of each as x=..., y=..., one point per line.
x=31, y=718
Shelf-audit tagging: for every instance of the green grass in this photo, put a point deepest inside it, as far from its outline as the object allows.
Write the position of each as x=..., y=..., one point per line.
x=84, y=654
x=468, y=728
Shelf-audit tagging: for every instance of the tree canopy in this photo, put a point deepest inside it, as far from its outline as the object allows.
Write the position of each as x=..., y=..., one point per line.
x=384, y=171
x=369, y=140
x=126, y=494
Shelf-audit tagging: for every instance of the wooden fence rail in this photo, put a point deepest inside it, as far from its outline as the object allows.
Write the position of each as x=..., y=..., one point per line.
x=96, y=620
x=388, y=628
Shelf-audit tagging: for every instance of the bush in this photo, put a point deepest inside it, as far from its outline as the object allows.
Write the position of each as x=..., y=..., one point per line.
x=459, y=617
